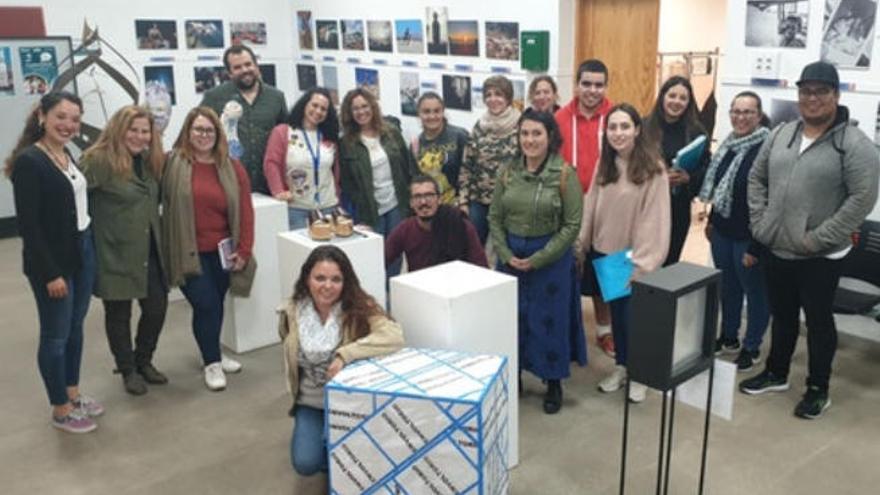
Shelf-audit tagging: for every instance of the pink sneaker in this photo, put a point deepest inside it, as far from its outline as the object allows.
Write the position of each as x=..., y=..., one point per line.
x=75, y=422
x=88, y=406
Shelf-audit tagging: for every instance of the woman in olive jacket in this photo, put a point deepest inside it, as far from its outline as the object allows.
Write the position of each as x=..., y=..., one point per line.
x=123, y=170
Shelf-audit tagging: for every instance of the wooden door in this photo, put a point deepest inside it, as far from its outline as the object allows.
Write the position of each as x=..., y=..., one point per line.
x=623, y=34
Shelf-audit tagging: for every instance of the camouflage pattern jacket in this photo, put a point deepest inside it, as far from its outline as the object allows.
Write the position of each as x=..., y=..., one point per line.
x=486, y=151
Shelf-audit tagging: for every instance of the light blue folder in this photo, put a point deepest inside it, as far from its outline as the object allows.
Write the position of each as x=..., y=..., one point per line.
x=613, y=273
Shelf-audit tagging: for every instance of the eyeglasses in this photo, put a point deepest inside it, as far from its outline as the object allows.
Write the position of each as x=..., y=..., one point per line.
x=818, y=92
x=204, y=131
x=743, y=113
x=424, y=197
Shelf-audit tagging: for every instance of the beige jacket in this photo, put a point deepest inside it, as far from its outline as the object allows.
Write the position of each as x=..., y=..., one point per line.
x=385, y=337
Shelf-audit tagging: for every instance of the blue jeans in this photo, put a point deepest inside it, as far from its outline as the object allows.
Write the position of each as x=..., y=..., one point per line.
x=384, y=226
x=61, y=325
x=308, y=450
x=298, y=218
x=479, y=216
x=737, y=281
x=206, y=293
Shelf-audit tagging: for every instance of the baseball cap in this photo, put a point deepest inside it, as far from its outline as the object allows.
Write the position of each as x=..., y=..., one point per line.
x=822, y=72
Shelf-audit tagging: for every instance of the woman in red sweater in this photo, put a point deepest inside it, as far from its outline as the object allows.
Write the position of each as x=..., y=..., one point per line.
x=207, y=202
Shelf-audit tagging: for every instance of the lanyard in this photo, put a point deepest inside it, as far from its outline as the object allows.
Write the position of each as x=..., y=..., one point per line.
x=316, y=161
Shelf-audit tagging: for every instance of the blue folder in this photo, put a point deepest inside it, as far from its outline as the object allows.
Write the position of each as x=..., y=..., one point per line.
x=688, y=158
x=613, y=273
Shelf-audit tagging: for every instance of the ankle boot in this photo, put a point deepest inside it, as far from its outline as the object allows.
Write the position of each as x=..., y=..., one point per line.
x=553, y=398
x=152, y=375
x=134, y=382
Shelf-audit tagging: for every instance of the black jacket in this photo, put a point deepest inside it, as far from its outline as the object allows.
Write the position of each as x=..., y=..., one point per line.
x=46, y=212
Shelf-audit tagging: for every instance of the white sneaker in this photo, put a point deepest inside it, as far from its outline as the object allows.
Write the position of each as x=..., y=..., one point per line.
x=613, y=381
x=637, y=392
x=229, y=365
x=215, y=379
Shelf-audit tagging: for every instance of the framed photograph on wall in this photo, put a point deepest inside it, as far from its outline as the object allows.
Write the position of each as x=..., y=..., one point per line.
x=367, y=79
x=328, y=34
x=248, y=33
x=352, y=35
x=330, y=80
x=435, y=30
x=304, y=29
x=267, y=73
x=464, y=38
x=848, y=33
x=209, y=77
x=782, y=111
x=154, y=34
x=379, y=36
x=409, y=36
x=502, y=40
x=409, y=93
x=457, y=92
x=39, y=68
x=159, y=79
x=306, y=76
x=777, y=24
x=204, y=34
x=7, y=85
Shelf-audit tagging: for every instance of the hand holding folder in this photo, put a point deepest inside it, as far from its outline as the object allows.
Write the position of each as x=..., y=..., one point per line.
x=613, y=273
x=688, y=158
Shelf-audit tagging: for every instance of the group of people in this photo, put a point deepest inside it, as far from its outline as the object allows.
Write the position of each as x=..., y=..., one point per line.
x=550, y=190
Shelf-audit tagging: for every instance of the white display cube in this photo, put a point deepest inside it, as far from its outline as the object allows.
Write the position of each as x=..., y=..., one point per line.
x=463, y=307
x=365, y=250
x=419, y=421
x=251, y=322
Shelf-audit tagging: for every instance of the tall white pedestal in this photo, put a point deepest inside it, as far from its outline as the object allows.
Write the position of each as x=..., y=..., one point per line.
x=251, y=322
x=463, y=307
x=365, y=250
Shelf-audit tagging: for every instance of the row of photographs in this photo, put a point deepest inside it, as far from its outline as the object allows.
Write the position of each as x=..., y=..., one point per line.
x=848, y=28
x=39, y=69
x=158, y=34
x=440, y=36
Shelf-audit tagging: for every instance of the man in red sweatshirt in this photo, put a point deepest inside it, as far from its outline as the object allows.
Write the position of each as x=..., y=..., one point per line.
x=581, y=123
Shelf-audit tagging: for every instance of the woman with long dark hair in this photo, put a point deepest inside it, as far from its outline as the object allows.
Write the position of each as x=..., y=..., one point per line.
x=534, y=220
x=123, y=168
x=329, y=322
x=58, y=251
x=672, y=125
x=626, y=208
x=300, y=164
x=206, y=200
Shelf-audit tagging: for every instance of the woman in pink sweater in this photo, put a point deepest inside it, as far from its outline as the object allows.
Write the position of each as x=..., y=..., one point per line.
x=627, y=208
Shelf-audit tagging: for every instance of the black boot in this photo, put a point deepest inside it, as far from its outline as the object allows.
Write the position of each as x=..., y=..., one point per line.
x=152, y=375
x=553, y=398
x=134, y=382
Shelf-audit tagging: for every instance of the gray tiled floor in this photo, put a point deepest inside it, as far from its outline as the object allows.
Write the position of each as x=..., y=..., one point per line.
x=181, y=438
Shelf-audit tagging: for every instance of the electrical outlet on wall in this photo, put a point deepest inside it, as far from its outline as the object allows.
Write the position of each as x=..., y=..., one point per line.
x=765, y=64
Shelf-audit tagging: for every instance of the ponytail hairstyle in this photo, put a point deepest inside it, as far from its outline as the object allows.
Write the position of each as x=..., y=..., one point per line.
x=33, y=127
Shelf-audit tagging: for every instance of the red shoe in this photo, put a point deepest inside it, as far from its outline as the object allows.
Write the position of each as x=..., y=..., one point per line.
x=606, y=343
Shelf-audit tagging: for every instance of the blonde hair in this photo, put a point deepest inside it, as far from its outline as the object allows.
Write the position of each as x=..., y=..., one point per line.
x=183, y=144
x=110, y=146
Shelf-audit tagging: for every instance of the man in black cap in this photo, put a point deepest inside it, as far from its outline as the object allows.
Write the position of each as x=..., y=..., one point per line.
x=811, y=186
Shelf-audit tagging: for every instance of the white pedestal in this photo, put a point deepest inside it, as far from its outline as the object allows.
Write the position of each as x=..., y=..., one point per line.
x=251, y=322
x=365, y=250
x=463, y=307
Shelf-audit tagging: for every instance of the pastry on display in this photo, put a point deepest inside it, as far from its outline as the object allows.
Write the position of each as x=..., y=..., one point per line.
x=320, y=227
x=344, y=223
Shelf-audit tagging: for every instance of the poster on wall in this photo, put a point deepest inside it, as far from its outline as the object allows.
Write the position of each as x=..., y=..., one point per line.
x=777, y=24
x=328, y=34
x=330, y=79
x=209, y=77
x=7, y=86
x=379, y=36
x=409, y=36
x=160, y=78
x=352, y=35
x=782, y=111
x=464, y=38
x=248, y=33
x=306, y=76
x=267, y=73
x=435, y=30
x=39, y=68
x=304, y=29
x=204, y=34
x=848, y=32
x=502, y=40
x=519, y=94
x=367, y=79
x=409, y=93
x=155, y=34
x=457, y=92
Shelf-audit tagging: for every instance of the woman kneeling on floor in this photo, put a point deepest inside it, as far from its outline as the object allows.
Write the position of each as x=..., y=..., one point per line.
x=329, y=322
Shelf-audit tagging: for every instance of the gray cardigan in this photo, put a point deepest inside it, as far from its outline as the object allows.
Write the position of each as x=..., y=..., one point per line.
x=808, y=204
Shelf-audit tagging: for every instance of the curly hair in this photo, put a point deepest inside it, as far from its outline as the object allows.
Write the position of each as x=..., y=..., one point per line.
x=351, y=129
x=33, y=130
x=329, y=127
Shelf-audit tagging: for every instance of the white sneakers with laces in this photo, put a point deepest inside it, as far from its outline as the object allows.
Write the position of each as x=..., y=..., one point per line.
x=215, y=379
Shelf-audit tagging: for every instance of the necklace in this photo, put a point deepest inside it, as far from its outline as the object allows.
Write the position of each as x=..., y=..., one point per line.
x=59, y=161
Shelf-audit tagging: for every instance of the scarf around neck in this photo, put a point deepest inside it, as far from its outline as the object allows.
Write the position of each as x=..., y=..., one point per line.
x=501, y=124
x=721, y=196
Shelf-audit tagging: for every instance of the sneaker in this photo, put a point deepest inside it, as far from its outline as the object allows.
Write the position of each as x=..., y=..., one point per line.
x=75, y=422
x=724, y=346
x=614, y=380
x=134, y=383
x=229, y=365
x=606, y=343
x=763, y=382
x=151, y=375
x=215, y=379
x=747, y=359
x=637, y=392
x=553, y=397
x=813, y=404
x=88, y=406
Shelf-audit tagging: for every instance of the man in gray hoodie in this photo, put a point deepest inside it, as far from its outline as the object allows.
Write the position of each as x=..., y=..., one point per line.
x=811, y=186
